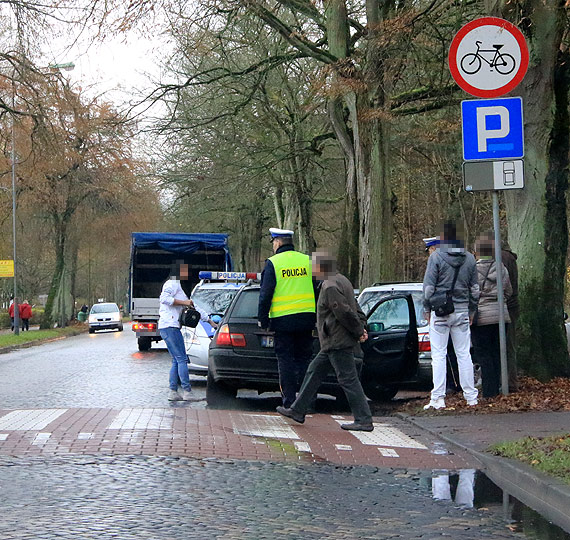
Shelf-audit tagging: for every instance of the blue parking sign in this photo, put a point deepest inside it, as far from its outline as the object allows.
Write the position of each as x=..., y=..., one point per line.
x=492, y=129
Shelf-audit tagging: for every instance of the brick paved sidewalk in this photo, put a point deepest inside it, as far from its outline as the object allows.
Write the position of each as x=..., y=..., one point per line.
x=221, y=434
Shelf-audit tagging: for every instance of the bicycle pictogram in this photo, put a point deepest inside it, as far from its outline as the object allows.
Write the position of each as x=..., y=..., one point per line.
x=504, y=63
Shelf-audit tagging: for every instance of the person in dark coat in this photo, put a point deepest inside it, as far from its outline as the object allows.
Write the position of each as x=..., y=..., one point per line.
x=341, y=325
x=510, y=261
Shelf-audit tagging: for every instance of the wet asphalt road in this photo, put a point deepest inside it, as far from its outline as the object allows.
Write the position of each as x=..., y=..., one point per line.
x=132, y=497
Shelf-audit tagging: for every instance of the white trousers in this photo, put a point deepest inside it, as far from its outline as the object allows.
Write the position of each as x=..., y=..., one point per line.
x=440, y=328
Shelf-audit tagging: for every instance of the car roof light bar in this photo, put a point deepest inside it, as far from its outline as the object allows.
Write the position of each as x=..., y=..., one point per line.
x=228, y=276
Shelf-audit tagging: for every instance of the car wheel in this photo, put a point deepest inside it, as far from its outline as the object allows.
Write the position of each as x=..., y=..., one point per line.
x=380, y=392
x=91, y=331
x=120, y=328
x=218, y=394
x=144, y=343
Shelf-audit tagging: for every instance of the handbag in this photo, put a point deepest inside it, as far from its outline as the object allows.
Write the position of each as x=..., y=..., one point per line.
x=443, y=306
x=189, y=317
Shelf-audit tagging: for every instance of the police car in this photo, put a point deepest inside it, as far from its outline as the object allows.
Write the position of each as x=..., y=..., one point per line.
x=213, y=294
x=242, y=355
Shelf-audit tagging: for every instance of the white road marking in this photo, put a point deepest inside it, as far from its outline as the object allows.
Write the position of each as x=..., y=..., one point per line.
x=84, y=436
x=386, y=435
x=143, y=419
x=41, y=438
x=32, y=419
x=343, y=447
x=388, y=452
x=302, y=446
x=337, y=417
x=3, y=436
x=264, y=425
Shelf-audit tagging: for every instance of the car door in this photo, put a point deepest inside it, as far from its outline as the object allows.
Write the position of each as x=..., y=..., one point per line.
x=391, y=351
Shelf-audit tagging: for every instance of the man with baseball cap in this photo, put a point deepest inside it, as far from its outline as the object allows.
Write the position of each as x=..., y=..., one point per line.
x=287, y=306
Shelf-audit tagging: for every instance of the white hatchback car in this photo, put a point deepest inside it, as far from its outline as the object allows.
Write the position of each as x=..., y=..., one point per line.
x=214, y=298
x=105, y=316
x=370, y=296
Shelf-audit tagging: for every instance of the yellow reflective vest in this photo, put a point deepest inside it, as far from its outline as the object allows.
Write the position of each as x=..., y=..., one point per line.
x=294, y=291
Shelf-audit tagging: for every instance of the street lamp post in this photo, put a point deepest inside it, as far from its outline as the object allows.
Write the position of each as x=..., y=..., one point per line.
x=68, y=66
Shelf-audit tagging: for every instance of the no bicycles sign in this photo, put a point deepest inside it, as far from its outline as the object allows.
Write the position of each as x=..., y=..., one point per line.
x=488, y=57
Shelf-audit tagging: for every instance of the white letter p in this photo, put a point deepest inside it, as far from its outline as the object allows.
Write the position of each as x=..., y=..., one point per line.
x=483, y=133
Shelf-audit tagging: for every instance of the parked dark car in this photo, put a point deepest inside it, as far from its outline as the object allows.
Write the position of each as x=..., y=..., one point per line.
x=241, y=354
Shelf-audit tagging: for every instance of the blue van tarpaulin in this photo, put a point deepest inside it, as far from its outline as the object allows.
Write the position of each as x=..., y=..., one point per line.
x=185, y=243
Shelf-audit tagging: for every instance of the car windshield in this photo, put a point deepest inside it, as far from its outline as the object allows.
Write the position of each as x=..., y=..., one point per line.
x=368, y=299
x=246, y=305
x=214, y=300
x=104, y=308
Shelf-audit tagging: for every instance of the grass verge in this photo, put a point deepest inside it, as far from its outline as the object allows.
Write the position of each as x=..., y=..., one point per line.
x=550, y=455
x=10, y=340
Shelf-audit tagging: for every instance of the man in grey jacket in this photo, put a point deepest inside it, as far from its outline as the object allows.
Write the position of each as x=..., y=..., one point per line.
x=341, y=326
x=438, y=281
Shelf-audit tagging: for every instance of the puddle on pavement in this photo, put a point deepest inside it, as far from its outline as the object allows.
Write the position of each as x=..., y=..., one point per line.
x=470, y=488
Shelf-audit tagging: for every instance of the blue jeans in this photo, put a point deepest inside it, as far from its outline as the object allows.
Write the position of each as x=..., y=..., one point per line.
x=179, y=370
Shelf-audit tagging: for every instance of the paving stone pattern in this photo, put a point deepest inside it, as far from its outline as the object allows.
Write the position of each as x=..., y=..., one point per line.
x=139, y=497
x=221, y=434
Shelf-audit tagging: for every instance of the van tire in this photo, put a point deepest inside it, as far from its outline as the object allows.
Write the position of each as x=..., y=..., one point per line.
x=380, y=392
x=144, y=343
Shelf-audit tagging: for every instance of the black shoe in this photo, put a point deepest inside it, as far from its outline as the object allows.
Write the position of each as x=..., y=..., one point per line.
x=356, y=426
x=290, y=413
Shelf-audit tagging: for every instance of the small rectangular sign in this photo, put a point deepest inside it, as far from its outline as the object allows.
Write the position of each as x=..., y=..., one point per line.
x=493, y=175
x=7, y=268
x=492, y=129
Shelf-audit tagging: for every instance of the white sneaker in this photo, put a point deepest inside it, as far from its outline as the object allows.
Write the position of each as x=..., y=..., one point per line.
x=472, y=402
x=187, y=396
x=438, y=403
x=174, y=396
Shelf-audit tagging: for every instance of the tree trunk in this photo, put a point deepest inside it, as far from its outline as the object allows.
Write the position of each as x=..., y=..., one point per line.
x=60, y=238
x=537, y=218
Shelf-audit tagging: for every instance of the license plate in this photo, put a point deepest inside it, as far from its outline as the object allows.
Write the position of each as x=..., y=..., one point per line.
x=267, y=341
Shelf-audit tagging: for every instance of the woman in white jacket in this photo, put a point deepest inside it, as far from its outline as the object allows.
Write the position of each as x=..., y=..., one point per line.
x=173, y=299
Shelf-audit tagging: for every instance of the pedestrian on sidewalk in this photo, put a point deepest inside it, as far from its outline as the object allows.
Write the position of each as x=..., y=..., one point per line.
x=11, y=313
x=486, y=349
x=510, y=261
x=452, y=369
x=341, y=326
x=287, y=306
x=25, y=311
x=173, y=299
x=451, y=293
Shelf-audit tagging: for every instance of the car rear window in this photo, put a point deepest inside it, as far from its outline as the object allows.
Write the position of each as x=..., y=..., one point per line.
x=246, y=304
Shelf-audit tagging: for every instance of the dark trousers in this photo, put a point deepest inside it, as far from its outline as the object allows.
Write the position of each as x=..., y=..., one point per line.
x=452, y=379
x=487, y=354
x=344, y=365
x=293, y=351
x=25, y=324
x=512, y=365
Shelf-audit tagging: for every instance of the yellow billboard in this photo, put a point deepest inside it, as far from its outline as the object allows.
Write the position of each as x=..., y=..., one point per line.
x=7, y=268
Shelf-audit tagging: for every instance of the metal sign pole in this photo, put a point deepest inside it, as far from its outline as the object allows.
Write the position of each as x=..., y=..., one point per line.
x=500, y=296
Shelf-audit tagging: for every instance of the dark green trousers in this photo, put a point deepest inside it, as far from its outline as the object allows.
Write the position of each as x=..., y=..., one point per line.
x=344, y=365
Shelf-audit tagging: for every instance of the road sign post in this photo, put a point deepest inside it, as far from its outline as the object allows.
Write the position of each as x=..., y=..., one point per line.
x=488, y=58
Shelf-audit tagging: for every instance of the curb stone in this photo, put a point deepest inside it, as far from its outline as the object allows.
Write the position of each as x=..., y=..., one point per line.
x=545, y=494
x=27, y=345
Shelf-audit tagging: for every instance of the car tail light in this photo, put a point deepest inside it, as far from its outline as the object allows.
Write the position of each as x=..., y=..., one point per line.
x=144, y=326
x=424, y=344
x=226, y=338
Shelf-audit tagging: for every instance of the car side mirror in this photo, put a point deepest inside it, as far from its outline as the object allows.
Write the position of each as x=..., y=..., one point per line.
x=376, y=327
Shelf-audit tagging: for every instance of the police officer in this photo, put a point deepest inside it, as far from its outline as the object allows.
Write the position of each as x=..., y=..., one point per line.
x=287, y=306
